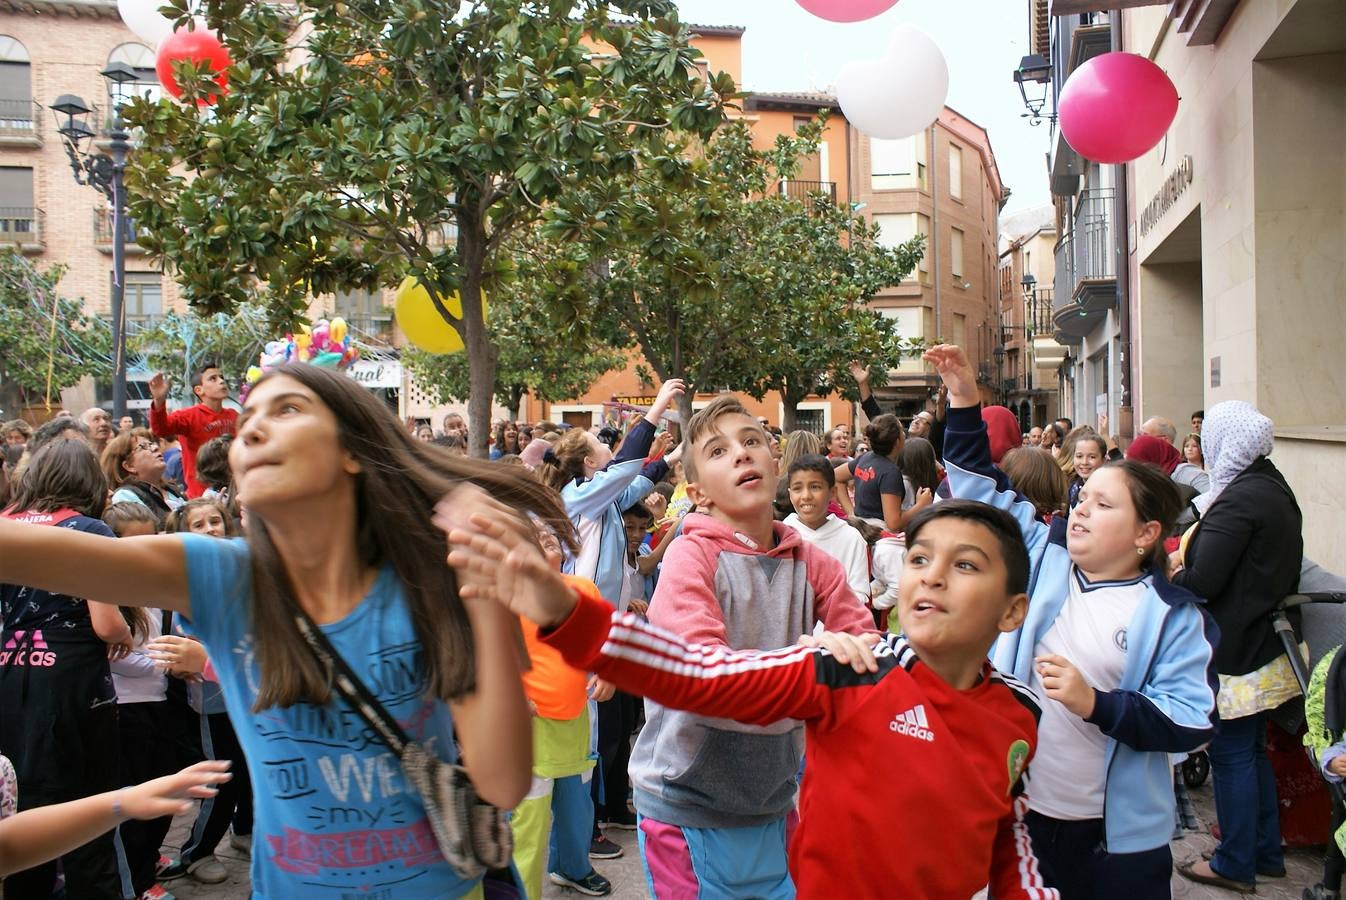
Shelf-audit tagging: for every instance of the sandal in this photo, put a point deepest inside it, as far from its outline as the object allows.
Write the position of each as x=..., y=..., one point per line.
x=1190, y=872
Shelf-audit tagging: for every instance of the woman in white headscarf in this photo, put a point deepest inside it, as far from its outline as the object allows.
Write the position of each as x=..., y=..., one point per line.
x=1244, y=556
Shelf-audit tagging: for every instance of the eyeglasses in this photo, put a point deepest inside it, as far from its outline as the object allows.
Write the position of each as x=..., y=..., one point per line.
x=146, y=445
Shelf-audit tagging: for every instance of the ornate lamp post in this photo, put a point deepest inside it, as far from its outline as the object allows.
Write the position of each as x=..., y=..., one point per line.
x=104, y=172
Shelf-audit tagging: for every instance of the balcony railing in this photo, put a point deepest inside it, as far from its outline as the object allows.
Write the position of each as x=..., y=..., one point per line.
x=19, y=119
x=1040, y=313
x=368, y=328
x=1086, y=252
x=104, y=232
x=804, y=190
x=24, y=226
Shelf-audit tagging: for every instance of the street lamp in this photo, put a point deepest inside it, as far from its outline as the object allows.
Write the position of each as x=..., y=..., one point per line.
x=1030, y=288
x=1034, y=69
x=103, y=171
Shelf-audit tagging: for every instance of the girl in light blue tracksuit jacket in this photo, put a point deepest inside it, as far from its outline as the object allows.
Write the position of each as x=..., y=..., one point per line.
x=1125, y=655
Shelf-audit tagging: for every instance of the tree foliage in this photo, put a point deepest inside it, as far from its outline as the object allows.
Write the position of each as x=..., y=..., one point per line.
x=364, y=140
x=537, y=353
x=178, y=344
x=31, y=349
x=718, y=277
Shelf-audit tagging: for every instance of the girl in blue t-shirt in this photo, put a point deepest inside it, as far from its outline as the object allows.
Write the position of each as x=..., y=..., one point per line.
x=340, y=504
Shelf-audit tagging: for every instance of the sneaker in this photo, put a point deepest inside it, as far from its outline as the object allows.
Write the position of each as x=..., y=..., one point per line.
x=1318, y=892
x=624, y=820
x=157, y=892
x=242, y=843
x=593, y=884
x=170, y=869
x=208, y=870
x=602, y=848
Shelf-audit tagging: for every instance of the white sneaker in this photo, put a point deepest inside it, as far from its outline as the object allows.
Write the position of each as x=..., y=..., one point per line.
x=208, y=870
x=242, y=843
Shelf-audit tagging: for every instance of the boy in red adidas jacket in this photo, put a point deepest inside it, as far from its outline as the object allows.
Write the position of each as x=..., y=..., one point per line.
x=956, y=735
x=196, y=424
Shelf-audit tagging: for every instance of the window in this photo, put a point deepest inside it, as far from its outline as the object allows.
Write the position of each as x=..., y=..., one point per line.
x=17, y=215
x=960, y=330
x=894, y=165
x=898, y=228
x=360, y=303
x=956, y=252
x=144, y=295
x=811, y=420
x=909, y=322
x=140, y=58
x=955, y=171
x=16, y=87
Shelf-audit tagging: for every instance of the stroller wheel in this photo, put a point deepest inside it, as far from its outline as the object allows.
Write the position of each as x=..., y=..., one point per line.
x=1196, y=769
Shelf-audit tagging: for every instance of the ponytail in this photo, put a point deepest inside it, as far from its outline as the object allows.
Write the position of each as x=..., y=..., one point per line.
x=563, y=461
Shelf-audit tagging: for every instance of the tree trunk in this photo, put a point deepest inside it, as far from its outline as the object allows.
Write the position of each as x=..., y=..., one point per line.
x=514, y=400
x=482, y=354
x=788, y=406
x=685, y=410
x=11, y=399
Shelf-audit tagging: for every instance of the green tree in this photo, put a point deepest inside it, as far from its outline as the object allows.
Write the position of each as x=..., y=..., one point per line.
x=47, y=343
x=404, y=137
x=721, y=280
x=179, y=343
x=537, y=352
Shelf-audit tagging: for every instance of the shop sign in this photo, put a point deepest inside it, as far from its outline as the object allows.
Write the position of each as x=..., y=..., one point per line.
x=374, y=373
x=1173, y=187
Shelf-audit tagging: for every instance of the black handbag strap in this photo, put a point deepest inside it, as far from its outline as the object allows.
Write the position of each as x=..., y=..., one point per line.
x=349, y=685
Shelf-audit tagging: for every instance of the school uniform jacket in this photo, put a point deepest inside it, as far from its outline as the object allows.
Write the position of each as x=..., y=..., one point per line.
x=1166, y=701
x=943, y=819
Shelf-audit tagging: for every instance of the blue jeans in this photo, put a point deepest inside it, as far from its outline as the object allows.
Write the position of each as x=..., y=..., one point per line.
x=1245, y=800
x=572, y=827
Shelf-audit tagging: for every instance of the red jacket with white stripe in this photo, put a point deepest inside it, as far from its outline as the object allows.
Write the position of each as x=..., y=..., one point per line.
x=944, y=822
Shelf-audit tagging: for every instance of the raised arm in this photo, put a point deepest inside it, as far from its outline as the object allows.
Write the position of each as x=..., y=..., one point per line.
x=139, y=571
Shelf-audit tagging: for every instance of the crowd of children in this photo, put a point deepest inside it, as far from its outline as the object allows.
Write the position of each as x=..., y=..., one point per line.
x=835, y=668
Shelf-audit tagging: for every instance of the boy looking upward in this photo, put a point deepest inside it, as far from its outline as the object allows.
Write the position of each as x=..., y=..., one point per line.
x=955, y=735
x=714, y=795
x=811, y=482
x=196, y=424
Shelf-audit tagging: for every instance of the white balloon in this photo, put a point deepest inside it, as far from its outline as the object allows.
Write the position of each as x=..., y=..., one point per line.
x=142, y=17
x=899, y=94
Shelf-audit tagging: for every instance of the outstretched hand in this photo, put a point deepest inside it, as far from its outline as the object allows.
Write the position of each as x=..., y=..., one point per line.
x=956, y=372
x=159, y=387
x=855, y=650
x=859, y=372
x=172, y=794
x=669, y=392
x=495, y=554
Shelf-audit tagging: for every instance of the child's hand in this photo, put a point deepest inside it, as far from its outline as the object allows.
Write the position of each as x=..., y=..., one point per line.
x=924, y=497
x=855, y=649
x=1337, y=766
x=668, y=392
x=663, y=442
x=119, y=650
x=495, y=554
x=170, y=795
x=180, y=655
x=859, y=372
x=1063, y=683
x=956, y=372
x=637, y=606
x=159, y=388
x=600, y=691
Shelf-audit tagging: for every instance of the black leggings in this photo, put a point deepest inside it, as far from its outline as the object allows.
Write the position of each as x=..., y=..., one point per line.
x=233, y=803
x=145, y=755
x=1072, y=859
x=616, y=721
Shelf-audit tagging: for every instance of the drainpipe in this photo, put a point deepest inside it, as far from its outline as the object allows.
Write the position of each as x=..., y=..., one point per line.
x=1125, y=427
x=934, y=224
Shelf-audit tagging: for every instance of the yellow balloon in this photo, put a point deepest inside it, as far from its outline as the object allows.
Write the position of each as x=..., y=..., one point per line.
x=337, y=330
x=422, y=323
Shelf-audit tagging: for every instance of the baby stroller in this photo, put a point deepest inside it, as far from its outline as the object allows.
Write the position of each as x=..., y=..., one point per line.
x=1323, y=629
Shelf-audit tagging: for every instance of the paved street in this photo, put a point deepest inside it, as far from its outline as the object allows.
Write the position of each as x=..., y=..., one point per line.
x=629, y=882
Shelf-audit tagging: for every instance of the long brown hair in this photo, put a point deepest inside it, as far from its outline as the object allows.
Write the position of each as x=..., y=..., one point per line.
x=399, y=482
x=63, y=474
x=1036, y=475
x=564, y=462
x=117, y=516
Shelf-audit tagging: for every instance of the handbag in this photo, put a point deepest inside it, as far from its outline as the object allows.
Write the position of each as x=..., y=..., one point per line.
x=473, y=835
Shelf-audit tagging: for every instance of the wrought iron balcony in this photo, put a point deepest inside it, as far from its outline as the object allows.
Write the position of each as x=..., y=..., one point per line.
x=104, y=232
x=1086, y=265
x=23, y=227
x=19, y=120
x=805, y=190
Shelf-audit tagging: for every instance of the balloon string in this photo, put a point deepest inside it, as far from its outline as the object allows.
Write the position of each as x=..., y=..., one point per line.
x=51, y=347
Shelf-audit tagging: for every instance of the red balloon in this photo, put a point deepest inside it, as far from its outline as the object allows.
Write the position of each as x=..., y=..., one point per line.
x=201, y=45
x=846, y=10
x=1116, y=106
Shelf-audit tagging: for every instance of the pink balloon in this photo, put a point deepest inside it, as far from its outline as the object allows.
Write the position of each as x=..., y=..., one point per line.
x=1116, y=106
x=846, y=10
